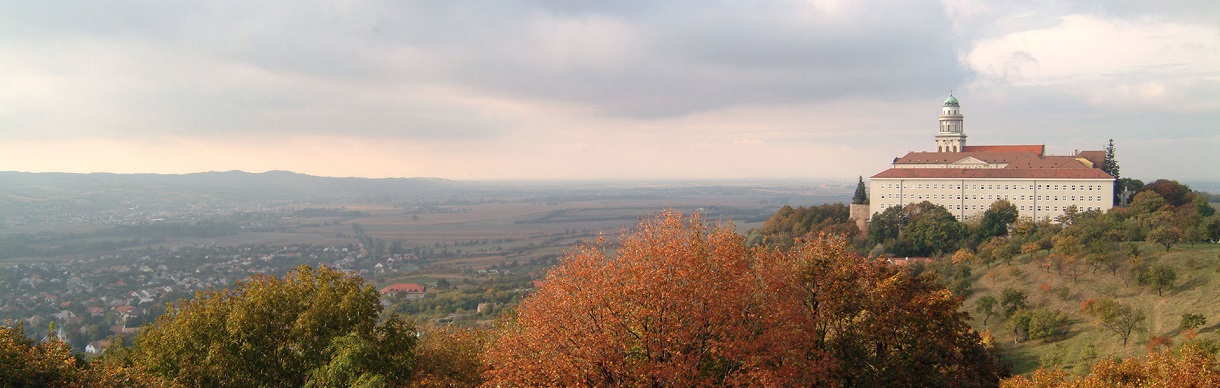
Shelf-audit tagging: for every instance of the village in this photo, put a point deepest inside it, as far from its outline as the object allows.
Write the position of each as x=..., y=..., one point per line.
x=89, y=301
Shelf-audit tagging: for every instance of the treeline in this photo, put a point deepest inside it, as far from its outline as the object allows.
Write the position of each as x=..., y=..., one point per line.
x=790, y=223
x=1164, y=212
x=328, y=212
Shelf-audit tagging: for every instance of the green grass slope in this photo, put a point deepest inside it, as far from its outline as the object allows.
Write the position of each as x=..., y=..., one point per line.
x=1196, y=290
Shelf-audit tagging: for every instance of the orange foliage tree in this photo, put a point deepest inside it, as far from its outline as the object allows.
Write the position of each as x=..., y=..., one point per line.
x=674, y=305
x=50, y=363
x=1188, y=367
x=682, y=303
x=884, y=326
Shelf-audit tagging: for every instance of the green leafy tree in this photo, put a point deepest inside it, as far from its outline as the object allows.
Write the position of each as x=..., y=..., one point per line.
x=1110, y=166
x=1210, y=228
x=985, y=306
x=861, y=196
x=789, y=224
x=1159, y=278
x=1165, y=235
x=1018, y=323
x=1047, y=324
x=997, y=219
x=1191, y=321
x=886, y=225
x=1119, y=318
x=1012, y=300
x=313, y=326
x=933, y=231
x=1146, y=203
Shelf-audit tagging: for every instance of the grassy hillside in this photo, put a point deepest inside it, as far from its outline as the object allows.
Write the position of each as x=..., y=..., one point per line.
x=1196, y=290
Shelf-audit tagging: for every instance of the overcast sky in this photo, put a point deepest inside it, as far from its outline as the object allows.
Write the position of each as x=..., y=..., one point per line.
x=599, y=90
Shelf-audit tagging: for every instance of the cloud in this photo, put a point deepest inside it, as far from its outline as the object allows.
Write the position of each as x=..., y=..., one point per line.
x=562, y=89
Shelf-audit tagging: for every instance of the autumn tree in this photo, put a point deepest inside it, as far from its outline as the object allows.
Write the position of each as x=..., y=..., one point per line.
x=674, y=305
x=1165, y=235
x=1191, y=366
x=1146, y=203
x=313, y=326
x=1174, y=193
x=1119, y=318
x=50, y=362
x=448, y=356
x=682, y=303
x=882, y=324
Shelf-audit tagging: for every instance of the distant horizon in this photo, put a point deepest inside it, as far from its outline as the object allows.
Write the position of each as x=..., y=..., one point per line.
x=1212, y=184
x=804, y=179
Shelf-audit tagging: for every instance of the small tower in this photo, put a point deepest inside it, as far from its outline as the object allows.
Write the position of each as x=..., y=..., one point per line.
x=950, y=138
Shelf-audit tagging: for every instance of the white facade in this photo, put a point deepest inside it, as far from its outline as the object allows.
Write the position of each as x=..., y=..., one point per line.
x=968, y=198
x=967, y=180
x=952, y=135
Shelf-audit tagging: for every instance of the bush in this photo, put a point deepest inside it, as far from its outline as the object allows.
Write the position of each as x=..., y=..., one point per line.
x=1047, y=324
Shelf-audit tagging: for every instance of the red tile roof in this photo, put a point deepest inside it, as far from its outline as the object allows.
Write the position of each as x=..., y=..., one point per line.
x=1034, y=148
x=1093, y=156
x=994, y=173
x=1047, y=162
x=410, y=288
x=950, y=157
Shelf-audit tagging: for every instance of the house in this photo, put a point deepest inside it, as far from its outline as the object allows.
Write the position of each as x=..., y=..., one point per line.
x=411, y=290
x=96, y=347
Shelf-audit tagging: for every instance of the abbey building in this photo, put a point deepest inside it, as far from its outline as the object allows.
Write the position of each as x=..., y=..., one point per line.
x=967, y=179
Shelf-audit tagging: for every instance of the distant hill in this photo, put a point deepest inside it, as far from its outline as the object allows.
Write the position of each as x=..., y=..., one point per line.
x=24, y=187
x=236, y=184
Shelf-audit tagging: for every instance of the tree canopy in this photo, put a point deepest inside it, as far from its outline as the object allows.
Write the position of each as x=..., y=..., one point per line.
x=680, y=302
x=313, y=326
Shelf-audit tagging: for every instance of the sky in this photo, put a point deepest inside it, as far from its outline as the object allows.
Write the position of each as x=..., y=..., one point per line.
x=595, y=90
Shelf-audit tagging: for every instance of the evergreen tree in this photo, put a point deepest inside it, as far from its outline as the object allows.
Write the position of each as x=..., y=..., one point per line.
x=861, y=197
x=1110, y=166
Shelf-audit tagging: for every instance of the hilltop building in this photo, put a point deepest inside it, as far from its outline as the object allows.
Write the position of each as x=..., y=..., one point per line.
x=967, y=179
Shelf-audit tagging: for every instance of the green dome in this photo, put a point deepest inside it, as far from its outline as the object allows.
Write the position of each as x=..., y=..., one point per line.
x=951, y=101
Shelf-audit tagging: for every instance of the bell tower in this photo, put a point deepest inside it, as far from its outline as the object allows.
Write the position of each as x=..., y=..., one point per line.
x=950, y=137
